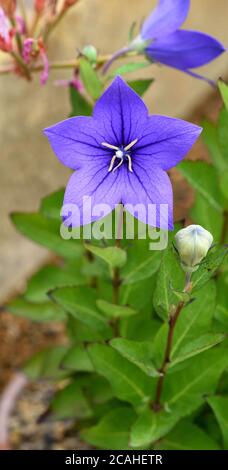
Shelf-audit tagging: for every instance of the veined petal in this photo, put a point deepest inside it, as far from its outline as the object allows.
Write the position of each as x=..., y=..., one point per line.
x=165, y=142
x=185, y=49
x=149, y=187
x=167, y=17
x=120, y=112
x=77, y=142
x=92, y=193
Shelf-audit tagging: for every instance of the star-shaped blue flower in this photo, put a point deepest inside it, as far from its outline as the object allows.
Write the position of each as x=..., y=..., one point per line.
x=121, y=154
x=162, y=41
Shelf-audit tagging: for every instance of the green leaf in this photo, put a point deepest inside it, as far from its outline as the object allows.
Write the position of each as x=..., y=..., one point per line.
x=221, y=313
x=115, y=257
x=70, y=402
x=208, y=217
x=170, y=278
x=184, y=390
x=79, y=105
x=223, y=182
x=142, y=262
x=90, y=79
x=128, y=68
x=219, y=406
x=114, y=311
x=139, y=353
x=50, y=277
x=151, y=426
x=51, y=205
x=194, y=320
x=81, y=332
x=209, y=266
x=129, y=383
x=223, y=134
x=38, y=312
x=80, y=302
x=140, y=86
x=196, y=346
x=77, y=359
x=203, y=179
x=46, y=364
x=112, y=432
x=224, y=92
x=210, y=137
x=187, y=436
x=46, y=232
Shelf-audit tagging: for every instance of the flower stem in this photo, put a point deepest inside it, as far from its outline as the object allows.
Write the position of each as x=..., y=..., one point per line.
x=157, y=406
x=22, y=64
x=116, y=281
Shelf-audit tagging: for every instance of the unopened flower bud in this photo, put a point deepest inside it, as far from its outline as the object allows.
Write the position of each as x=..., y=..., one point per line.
x=90, y=52
x=9, y=7
x=192, y=243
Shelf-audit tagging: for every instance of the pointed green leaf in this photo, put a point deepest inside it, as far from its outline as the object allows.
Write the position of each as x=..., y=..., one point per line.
x=142, y=262
x=50, y=277
x=46, y=232
x=90, y=79
x=196, y=346
x=184, y=390
x=114, y=311
x=112, y=432
x=140, y=86
x=79, y=105
x=51, y=205
x=208, y=267
x=208, y=216
x=46, y=364
x=187, y=436
x=38, y=312
x=151, y=426
x=203, y=179
x=210, y=137
x=170, y=278
x=220, y=407
x=129, y=383
x=70, y=402
x=137, y=352
x=224, y=92
x=113, y=256
x=128, y=68
x=81, y=303
x=77, y=359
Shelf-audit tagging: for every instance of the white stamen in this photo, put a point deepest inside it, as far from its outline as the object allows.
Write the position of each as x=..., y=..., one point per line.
x=128, y=147
x=129, y=163
x=119, y=164
x=109, y=146
x=112, y=163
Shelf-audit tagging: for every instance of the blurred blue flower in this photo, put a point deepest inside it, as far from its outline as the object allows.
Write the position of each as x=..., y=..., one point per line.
x=161, y=40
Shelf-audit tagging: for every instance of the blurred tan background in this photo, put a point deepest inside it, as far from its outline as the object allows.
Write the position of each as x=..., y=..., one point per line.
x=28, y=168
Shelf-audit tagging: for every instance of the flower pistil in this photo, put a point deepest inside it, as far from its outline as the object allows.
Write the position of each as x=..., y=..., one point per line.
x=123, y=154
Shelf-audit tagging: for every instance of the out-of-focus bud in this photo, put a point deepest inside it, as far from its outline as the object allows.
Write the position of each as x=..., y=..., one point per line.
x=5, y=33
x=90, y=52
x=9, y=7
x=192, y=243
x=39, y=6
x=69, y=3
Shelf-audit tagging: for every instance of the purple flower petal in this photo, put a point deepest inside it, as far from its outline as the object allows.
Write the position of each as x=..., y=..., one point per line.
x=185, y=49
x=149, y=187
x=165, y=142
x=77, y=142
x=102, y=187
x=168, y=16
x=121, y=113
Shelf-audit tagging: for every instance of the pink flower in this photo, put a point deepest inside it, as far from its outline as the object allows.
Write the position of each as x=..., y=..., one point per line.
x=5, y=33
x=33, y=49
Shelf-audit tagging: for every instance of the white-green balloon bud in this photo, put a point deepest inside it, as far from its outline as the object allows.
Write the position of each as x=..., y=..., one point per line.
x=192, y=244
x=90, y=52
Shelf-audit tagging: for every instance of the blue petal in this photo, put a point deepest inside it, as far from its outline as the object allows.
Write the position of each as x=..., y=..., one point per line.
x=167, y=17
x=120, y=113
x=185, y=50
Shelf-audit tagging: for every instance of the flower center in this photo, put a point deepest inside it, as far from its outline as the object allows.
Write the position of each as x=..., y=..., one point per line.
x=122, y=154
